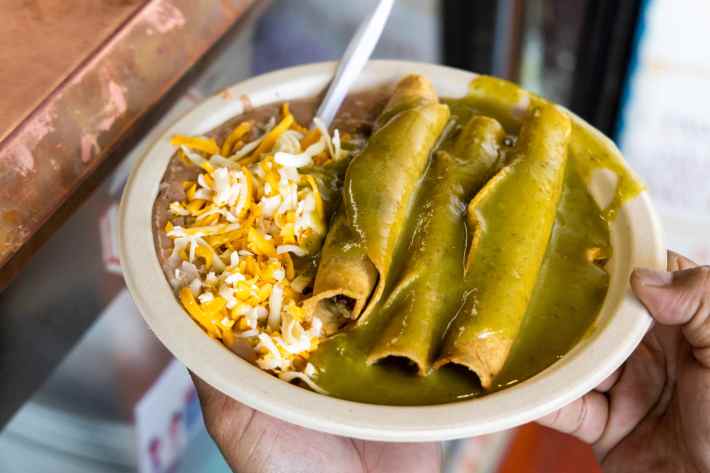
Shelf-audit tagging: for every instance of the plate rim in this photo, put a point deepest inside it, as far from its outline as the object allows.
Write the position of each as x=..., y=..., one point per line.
x=529, y=400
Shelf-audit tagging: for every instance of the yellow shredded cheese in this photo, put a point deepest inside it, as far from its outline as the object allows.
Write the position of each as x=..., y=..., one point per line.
x=310, y=138
x=268, y=142
x=319, y=202
x=241, y=224
x=238, y=132
x=197, y=143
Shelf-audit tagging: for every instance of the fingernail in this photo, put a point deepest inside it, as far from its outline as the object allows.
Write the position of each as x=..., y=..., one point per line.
x=650, y=277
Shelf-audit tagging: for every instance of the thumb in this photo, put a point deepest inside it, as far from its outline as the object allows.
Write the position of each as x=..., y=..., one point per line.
x=679, y=298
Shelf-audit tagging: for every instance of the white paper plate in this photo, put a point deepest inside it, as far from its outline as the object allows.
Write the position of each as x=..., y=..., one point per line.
x=636, y=239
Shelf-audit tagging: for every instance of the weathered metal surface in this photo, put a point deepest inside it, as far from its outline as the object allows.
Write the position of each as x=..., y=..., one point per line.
x=47, y=155
x=43, y=41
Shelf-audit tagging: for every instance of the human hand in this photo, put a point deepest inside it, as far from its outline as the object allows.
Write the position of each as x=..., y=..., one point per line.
x=653, y=414
x=253, y=442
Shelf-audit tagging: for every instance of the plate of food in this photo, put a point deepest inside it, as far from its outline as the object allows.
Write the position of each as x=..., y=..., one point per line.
x=449, y=258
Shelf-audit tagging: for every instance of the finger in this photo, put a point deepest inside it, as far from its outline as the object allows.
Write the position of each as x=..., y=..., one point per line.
x=634, y=395
x=610, y=381
x=225, y=418
x=206, y=393
x=679, y=298
x=389, y=457
x=211, y=399
x=584, y=418
x=678, y=262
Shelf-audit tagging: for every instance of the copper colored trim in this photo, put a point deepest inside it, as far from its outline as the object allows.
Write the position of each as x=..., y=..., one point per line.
x=31, y=65
x=45, y=159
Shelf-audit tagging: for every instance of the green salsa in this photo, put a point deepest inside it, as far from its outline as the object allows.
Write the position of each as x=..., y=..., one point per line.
x=566, y=299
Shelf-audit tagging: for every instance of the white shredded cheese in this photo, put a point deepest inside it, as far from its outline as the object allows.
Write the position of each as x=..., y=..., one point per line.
x=296, y=250
x=205, y=297
x=275, y=302
x=239, y=224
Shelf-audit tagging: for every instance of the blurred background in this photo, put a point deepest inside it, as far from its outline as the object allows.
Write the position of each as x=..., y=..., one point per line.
x=90, y=83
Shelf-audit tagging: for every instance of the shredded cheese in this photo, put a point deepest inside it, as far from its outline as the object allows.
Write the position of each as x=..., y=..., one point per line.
x=238, y=132
x=241, y=223
x=196, y=143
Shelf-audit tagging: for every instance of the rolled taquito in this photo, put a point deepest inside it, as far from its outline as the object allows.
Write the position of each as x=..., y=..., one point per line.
x=378, y=189
x=511, y=219
x=427, y=293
